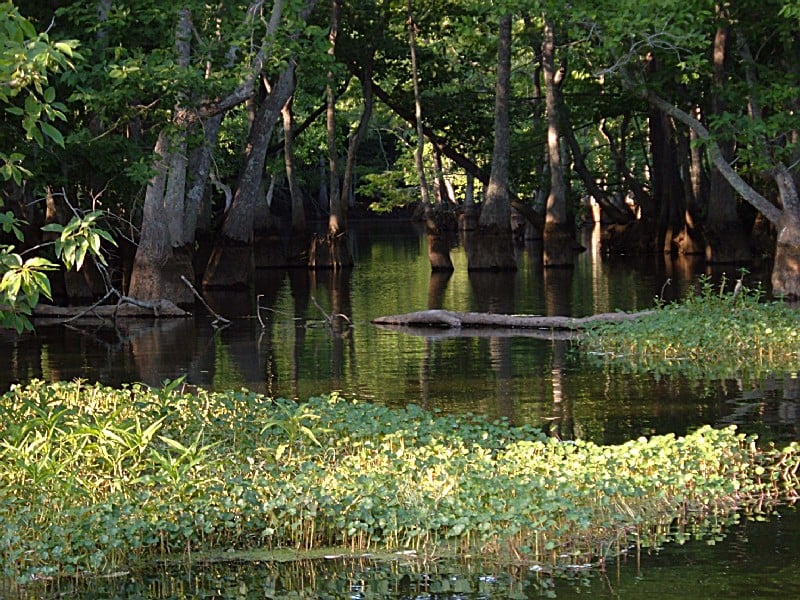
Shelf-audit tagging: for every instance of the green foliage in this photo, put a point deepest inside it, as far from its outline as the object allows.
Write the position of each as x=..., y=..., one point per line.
x=23, y=281
x=710, y=334
x=27, y=60
x=93, y=479
x=79, y=237
x=388, y=189
x=21, y=285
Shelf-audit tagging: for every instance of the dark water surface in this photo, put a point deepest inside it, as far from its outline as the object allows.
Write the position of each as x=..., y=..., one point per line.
x=288, y=349
x=528, y=380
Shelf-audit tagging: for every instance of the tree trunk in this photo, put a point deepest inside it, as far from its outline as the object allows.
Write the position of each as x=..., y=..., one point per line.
x=333, y=250
x=495, y=320
x=231, y=262
x=559, y=232
x=363, y=123
x=618, y=214
x=689, y=239
x=336, y=222
x=299, y=224
x=666, y=178
x=200, y=162
x=726, y=238
x=297, y=251
x=786, y=269
x=163, y=256
x=420, y=149
x=491, y=245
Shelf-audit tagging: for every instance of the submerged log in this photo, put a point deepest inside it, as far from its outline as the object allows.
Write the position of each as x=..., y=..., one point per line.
x=463, y=320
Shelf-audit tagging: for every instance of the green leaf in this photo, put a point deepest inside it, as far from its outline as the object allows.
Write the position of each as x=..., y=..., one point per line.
x=53, y=133
x=64, y=48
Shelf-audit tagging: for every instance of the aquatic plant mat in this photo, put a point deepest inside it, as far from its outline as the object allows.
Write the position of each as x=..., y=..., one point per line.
x=94, y=480
x=711, y=334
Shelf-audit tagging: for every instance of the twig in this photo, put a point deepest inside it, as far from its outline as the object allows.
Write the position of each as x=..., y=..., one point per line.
x=217, y=318
x=331, y=317
x=664, y=287
x=110, y=292
x=258, y=310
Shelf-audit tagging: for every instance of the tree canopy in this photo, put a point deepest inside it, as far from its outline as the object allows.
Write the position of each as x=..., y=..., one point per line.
x=664, y=110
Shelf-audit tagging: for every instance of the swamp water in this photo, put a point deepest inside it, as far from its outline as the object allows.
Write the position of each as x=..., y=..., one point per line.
x=279, y=343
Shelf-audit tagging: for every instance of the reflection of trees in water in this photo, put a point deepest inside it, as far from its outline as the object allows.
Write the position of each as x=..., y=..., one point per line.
x=300, y=286
x=166, y=349
x=494, y=293
x=563, y=423
x=338, y=285
x=244, y=350
x=705, y=572
x=437, y=286
x=528, y=382
x=773, y=404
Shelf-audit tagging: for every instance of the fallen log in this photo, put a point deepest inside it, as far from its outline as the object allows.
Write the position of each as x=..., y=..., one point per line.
x=126, y=308
x=463, y=320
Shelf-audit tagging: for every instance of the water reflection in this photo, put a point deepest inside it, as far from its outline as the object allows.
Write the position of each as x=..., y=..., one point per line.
x=287, y=340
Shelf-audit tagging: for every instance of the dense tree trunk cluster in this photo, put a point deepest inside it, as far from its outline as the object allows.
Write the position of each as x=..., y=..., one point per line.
x=508, y=120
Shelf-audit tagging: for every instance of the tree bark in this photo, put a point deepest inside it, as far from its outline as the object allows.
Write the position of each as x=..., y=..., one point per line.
x=299, y=224
x=666, y=178
x=366, y=115
x=197, y=215
x=420, y=149
x=162, y=256
x=491, y=246
x=786, y=269
x=332, y=251
x=336, y=219
x=231, y=262
x=559, y=234
x=467, y=320
x=617, y=214
x=726, y=238
x=771, y=212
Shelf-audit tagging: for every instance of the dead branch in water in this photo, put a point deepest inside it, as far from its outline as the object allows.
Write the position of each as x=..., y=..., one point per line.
x=217, y=318
x=329, y=318
x=125, y=308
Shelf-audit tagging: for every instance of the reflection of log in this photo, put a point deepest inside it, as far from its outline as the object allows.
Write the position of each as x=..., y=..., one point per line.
x=448, y=333
x=446, y=318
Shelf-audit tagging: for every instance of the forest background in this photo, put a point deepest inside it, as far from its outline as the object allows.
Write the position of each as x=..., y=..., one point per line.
x=149, y=144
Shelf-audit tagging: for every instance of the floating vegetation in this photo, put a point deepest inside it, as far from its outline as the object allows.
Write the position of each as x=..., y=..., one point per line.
x=94, y=480
x=710, y=334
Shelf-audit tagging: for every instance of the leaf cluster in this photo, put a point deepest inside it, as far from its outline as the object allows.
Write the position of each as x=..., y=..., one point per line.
x=28, y=59
x=24, y=280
